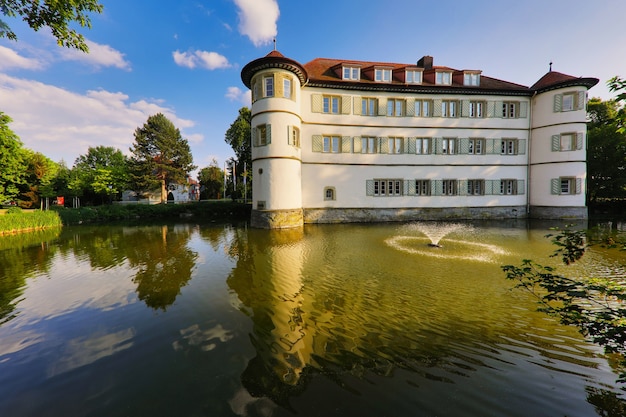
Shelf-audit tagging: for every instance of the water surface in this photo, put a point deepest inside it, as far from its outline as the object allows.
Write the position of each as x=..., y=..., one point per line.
x=334, y=320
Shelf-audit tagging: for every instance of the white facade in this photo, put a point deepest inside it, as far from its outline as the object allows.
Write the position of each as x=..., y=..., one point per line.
x=341, y=141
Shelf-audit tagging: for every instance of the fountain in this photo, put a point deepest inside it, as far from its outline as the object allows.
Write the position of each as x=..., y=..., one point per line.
x=431, y=234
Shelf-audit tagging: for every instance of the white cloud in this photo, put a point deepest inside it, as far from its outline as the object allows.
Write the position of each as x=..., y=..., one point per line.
x=99, y=56
x=11, y=59
x=236, y=94
x=203, y=59
x=257, y=20
x=62, y=124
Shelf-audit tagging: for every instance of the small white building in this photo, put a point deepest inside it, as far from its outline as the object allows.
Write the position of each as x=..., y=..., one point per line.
x=350, y=141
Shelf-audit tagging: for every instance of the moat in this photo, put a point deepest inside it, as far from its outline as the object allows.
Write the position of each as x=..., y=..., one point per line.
x=332, y=320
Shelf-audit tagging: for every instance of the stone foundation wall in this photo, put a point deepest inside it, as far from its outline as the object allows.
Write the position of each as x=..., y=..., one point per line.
x=550, y=212
x=276, y=219
x=356, y=215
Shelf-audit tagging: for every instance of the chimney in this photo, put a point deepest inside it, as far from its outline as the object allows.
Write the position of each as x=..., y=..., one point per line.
x=425, y=62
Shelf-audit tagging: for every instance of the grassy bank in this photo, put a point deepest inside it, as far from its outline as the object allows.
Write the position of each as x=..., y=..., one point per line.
x=16, y=220
x=212, y=211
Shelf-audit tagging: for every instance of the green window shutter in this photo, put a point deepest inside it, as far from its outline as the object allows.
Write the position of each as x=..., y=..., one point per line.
x=556, y=143
x=465, y=108
x=490, y=146
x=463, y=145
x=437, y=107
x=579, y=185
x=409, y=187
x=462, y=187
x=318, y=143
x=356, y=144
x=405, y=187
x=278, y=86
x=346, y=144
x=410, y=107
x=411, y=145
x=521, y=146
x=437, y=145
x=558, y=102
x=289, y=135
x=383, y=145
x=523, y=110
x=316, y=103
x=382, y=106
x=579, y=140
x=521, y=187
x=491, y=108
x=490, y=186
x=369, y=187
x=253, y=132
x=357, y=104
x=555, y=186
x=497, y=109
x=268, y=132
x=346, y=104
x=581, y=100
x=436, y=187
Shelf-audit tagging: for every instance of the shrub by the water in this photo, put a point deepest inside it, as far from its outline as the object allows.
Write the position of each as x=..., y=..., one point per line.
x=17, y=220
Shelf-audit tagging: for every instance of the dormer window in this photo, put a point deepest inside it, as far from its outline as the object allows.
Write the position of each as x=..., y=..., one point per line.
x=471, y=78
x=413, y=76
x=351, y=73
x=382, y=75
x=443, y=77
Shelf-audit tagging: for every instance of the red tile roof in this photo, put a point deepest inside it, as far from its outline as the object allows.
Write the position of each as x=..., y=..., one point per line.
x=554, y=79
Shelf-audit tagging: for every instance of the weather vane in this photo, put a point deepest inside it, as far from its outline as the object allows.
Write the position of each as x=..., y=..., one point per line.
x=550, y=66
x=274, y=43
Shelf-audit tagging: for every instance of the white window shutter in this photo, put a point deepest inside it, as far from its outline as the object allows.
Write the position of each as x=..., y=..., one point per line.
x=346, y=104
x=318, y=143
x=346, y=144
x=411, y=148
x=465, y=108
x=410, y=107
x=463, y=145
x=254, y=137
x=521, y=146
x=521, y=187
x=523, y=110
x=382, y=107
x=268, y=133
x=491, y=109
x=289, y=135
x=383, y=145
x=356, y=144
x=369, y=187
x=497, y=111
x=278, y=86
x=357, y=104
x=316, y=103
x=437, y=107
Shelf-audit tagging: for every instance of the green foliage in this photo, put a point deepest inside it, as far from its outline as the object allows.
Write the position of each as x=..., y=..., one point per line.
x=100, y=175
x=57, y=15
x=238, y=137
x=618, y=85
x=28, y=220
x=160, y=156
x=594, y=305
x=211, y=180
x=12, y=161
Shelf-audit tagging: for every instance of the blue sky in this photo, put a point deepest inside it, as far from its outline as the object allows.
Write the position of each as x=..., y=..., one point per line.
x=183, y=58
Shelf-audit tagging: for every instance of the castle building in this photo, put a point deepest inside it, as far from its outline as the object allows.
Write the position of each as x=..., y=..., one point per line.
x=353, y=141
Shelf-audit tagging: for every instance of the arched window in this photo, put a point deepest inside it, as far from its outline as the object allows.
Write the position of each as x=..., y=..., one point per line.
x=329, y=194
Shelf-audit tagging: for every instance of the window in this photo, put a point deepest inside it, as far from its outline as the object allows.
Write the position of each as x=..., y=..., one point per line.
x=422, y=187
x=268, y=83
x=331, y=144
x=395, y=145
x=422, y=146
x=294, y=137
x=369, y=106
x=475, y=187
x=368, y=145
x=388, y=187
x=471, y=78
x=395, y=107
x=567, y=185
x=448, y=146
x=423, y=108
x=476, y=109
x=568, y=102
x=449, y=108
x=286, y=88
x=510, y=110
x=443, y=77
x=448, y=187
x=329, y=193
x=262, y=135
x=508, y=186
x=414, y=77
x=508, y=147
x=382, y=75
x=476, y=146
x=567, y=142
x=351, y=73
x=331, y=104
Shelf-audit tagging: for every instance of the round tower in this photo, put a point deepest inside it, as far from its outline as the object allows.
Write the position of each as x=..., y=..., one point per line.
x=275, y=83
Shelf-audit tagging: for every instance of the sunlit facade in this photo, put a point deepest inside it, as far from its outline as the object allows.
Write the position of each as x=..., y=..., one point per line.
x=354, y=141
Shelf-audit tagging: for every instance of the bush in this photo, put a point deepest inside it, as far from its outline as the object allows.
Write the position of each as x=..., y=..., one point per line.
x=19, y=220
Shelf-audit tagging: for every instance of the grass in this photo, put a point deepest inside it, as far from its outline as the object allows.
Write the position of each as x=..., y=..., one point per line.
x=16, y=220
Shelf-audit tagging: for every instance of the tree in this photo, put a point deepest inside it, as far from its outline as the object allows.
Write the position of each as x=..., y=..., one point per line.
x=238, y=137
x=618, y=85
x=102, y=172
x=160, y=156
x=606, y=152
x=12, y=161
x=594, y=305
x=211, y=180
x=40, y=173
x=57, y=15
